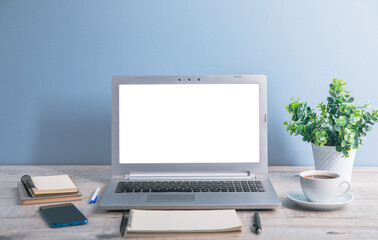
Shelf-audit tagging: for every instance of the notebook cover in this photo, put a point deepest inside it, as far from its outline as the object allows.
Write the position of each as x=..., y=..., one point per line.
x=26, y=199
x=227, y=232
x=187, y=221
x=53, y=184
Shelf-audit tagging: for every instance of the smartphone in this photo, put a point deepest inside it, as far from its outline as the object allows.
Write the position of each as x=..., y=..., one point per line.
x=62, y=215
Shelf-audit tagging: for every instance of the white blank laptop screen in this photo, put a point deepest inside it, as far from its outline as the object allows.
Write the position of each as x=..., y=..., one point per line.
x=189, y=123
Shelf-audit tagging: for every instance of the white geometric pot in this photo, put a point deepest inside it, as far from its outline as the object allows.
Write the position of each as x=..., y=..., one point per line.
x=328, y=159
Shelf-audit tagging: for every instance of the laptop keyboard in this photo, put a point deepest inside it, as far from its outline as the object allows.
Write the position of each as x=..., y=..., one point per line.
x=189, y=186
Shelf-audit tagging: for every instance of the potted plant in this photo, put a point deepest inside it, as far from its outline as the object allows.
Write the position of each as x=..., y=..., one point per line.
x=336, y=131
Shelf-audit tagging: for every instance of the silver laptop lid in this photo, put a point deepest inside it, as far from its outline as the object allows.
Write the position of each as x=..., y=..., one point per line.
x=189, y=124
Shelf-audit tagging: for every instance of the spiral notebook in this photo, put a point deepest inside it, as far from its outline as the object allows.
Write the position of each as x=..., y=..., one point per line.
x=39, y=186
x=26, y=199
x=191, y=223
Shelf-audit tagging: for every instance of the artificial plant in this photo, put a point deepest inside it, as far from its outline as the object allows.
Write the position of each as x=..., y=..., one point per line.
x=340, y=123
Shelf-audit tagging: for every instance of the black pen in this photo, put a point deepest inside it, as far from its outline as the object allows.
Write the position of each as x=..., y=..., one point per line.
x=257, y=224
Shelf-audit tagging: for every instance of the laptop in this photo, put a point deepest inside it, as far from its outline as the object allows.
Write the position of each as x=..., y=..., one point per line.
x=189, y=142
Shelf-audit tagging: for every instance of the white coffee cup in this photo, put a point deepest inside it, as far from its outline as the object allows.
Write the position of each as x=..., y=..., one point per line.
x=322, y=186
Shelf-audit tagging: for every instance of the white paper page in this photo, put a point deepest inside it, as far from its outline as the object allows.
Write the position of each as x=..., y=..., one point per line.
x=202, y=220
x=56, y=182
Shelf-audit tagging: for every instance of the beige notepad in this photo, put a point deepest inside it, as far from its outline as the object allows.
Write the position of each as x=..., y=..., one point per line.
x=178, y=222
x=26, y=199
x=53, y=185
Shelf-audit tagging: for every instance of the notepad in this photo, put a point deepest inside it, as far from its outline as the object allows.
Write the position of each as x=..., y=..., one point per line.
x=149, y=223
x=26, y=199
x=57, y=184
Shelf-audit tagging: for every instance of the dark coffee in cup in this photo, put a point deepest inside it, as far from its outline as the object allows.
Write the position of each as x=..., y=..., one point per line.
x=319, y=176
x=321, y=186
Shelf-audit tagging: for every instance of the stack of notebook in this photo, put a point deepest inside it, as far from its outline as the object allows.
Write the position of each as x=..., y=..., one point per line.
x=46, y=189
x=186, y=223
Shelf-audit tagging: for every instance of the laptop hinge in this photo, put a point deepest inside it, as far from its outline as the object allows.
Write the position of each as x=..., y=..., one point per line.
x=189, y=176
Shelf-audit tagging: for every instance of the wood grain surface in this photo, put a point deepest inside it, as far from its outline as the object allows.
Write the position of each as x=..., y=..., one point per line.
x=358, y=220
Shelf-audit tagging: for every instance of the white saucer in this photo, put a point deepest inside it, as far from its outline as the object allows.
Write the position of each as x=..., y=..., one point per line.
x=299, y=198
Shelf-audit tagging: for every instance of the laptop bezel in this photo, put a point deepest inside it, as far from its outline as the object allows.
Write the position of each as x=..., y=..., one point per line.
x=261, y=167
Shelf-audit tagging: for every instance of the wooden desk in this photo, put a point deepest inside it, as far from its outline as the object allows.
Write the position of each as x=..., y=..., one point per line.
x=358, y=220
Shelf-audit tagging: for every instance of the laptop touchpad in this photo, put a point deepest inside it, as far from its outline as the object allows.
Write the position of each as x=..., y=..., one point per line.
x=170, y=198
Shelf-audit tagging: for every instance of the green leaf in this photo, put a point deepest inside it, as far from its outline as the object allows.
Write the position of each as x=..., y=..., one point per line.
x=363, y=135
x=339, y=148
x=345, y=152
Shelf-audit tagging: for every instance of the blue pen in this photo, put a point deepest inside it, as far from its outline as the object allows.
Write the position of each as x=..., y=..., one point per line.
x=95, y=195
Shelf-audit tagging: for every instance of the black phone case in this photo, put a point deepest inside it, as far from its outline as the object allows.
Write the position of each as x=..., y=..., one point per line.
x=77, y=219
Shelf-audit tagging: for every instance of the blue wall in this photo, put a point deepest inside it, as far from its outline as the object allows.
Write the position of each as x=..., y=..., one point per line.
x=57, y=59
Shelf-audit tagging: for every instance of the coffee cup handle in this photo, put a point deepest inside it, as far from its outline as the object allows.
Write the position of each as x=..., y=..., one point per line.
x=344, y=182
